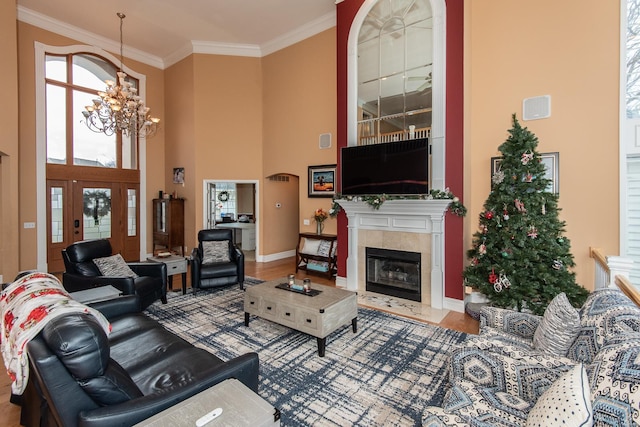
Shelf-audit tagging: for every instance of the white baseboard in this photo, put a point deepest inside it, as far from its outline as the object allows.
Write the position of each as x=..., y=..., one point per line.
x=453, y=305
x=276, y=256
x=341, y=282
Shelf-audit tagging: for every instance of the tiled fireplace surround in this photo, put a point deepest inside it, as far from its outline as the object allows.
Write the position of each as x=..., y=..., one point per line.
x=407, y=225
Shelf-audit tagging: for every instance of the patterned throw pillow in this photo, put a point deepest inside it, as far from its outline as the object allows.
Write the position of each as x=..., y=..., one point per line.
x=114, y=266
x=614, y=382
x=324, y=248
x=215, y=251
x=558, y=328
x=567, y=402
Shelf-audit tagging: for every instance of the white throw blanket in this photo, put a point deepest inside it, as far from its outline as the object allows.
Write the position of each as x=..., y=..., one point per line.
x=27, y=305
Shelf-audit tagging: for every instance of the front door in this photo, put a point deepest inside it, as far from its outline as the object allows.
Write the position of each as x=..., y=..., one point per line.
x=83, y=210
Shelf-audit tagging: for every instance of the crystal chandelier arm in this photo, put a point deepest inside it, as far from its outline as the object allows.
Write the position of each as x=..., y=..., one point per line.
x=119, y=108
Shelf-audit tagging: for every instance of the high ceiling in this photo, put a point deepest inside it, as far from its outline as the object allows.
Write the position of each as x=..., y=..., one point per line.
x=161, y=32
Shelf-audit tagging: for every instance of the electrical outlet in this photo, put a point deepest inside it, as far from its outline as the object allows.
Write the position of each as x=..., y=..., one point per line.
x=29, y=225
x=306, y=222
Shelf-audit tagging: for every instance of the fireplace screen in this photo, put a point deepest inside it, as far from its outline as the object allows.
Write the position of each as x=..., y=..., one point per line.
x=395, y=273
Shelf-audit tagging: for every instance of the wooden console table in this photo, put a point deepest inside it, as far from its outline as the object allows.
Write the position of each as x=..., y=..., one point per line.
x=303, y=257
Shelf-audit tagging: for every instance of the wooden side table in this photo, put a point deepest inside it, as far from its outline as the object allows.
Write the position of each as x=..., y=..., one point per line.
x=175, y=265
x=303, y=258
x=240, y=407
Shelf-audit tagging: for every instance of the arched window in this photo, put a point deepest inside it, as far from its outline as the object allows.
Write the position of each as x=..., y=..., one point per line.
x=396, y=76
x=395, y=59
x=89, y=185
x=72, y=82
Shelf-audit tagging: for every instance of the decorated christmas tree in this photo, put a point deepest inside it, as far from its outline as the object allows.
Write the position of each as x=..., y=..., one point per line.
x=520, y=258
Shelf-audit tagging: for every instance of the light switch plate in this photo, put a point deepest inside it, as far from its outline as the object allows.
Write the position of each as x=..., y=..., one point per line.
x=29, y=225
x=306, y=222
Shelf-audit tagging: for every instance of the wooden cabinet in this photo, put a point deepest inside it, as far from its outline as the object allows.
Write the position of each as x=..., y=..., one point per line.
x=168, y=224
x=316, y=253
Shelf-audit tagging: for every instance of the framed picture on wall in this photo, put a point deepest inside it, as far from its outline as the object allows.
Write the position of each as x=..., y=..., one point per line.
x=322, y=180
x=178, y=175
x=551, y=161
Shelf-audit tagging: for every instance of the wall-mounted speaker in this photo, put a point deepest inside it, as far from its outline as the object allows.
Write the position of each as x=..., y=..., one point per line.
x=538, y=107
x=325, y=141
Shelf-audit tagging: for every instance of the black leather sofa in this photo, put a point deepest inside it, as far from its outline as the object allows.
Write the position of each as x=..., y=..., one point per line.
x=80, y=377
x=216, y=274
x=81, y=273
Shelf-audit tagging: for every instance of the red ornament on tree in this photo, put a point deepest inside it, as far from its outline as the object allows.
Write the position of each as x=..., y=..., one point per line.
x=488, y=214
x=493, y=277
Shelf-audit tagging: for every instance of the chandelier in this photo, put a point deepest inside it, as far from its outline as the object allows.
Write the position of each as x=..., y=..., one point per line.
x=120, y=108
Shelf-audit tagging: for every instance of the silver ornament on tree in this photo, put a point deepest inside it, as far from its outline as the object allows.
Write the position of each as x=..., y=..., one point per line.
x=503, y=282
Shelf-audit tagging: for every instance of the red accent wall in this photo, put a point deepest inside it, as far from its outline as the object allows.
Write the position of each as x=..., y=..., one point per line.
x=454, y=251
x=454, y=168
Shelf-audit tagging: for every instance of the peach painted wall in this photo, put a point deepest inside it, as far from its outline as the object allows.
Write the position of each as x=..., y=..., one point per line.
x=27, y=36
x=569, y=50
x=273, y=110
x=9, y=152
x=180, y=136
x=225, y=142
x=299, y=106
x=280, y=232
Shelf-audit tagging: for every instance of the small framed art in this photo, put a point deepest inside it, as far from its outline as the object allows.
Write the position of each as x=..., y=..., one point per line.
x=178, y=175
x=551, y=161
x=322, y=180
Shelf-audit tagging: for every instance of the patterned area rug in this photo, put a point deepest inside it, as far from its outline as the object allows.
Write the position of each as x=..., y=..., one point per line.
x=385, y=374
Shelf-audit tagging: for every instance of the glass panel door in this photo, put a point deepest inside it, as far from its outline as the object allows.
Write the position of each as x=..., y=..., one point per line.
x=96, y=218
x=58, y=217
x=130, y=220
x=100, y=212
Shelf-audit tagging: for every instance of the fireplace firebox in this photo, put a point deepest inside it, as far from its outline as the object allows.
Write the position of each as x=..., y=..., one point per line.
x=394, y=273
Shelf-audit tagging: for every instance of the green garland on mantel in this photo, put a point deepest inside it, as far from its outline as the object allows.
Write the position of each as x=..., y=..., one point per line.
x=375, y=201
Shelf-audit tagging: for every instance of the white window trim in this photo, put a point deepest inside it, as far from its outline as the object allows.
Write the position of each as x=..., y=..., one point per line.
x=41, y=145
x=621, y=124
x=256, y=214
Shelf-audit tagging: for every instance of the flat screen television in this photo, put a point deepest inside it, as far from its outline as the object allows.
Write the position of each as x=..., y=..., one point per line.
x=400, y=167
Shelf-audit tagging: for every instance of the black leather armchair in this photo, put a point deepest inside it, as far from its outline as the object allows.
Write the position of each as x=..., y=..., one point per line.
x=81, y=273
x=217, y=274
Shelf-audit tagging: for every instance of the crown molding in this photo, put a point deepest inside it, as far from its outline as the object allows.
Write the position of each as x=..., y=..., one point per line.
x=195, y=46
x=307, y=30
x=47, y=23
x=178, y=55
x=233, y=49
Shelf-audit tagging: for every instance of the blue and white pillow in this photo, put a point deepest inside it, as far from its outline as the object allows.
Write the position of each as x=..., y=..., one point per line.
x=558, y=328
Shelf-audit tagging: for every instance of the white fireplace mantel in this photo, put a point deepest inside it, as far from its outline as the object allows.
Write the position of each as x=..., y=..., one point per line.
x=404, y=215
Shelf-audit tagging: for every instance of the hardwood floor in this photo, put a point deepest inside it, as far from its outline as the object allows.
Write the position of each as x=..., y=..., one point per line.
x=10, y=413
